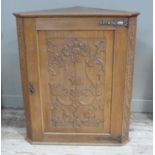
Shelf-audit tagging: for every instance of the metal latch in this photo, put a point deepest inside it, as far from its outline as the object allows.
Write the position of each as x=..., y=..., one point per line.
x=115, y=22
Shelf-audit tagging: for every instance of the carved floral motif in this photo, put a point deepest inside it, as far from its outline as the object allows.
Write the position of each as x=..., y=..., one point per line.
x=73, y=97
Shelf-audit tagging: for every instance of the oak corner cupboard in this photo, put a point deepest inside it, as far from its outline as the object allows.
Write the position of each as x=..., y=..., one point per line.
x=77, y=68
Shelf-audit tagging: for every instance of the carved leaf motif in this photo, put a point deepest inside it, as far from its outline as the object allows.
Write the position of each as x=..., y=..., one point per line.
x=82, y=93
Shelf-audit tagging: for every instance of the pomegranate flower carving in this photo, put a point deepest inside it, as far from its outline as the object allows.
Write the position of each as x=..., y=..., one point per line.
x=73, y=49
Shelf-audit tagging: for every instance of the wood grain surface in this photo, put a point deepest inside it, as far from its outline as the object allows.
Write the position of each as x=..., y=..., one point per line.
x=77, y=77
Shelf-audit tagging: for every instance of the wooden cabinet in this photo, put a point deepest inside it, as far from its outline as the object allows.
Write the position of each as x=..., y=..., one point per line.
x=76, y=68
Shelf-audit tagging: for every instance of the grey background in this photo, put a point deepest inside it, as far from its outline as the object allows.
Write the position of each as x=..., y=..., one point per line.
x=142, y=87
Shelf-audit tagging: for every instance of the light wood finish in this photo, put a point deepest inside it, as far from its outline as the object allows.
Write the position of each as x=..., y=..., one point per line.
x=23, y=68
x=77, y=75
x=129, y=77
x=77, y=11
x=72, y=23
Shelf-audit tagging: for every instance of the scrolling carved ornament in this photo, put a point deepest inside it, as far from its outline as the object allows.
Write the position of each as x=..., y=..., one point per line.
x=80, y=63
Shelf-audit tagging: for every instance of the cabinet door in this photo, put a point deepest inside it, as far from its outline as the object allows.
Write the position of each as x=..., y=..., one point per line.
x=75, y=70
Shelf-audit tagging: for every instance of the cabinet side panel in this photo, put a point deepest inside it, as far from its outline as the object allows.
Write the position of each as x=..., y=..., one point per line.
x=33, y=78
x=129, y=77
x=120, y=48
x=23, y=70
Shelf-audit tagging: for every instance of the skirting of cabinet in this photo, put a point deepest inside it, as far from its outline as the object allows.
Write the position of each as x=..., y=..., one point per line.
x=105, y=143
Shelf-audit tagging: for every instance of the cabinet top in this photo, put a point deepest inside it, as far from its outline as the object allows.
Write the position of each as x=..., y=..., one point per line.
x=76, y=11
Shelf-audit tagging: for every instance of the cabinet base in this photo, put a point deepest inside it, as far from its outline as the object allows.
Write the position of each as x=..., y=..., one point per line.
x=109, y=143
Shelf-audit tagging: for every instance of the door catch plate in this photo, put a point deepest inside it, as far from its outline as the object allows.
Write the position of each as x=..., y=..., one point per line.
x=115, y=22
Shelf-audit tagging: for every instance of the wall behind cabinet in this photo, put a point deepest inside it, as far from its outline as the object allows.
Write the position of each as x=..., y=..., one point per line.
x=11, y=82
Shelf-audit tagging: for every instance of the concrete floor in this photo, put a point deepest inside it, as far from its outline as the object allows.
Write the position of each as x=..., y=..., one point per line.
x=13, y=142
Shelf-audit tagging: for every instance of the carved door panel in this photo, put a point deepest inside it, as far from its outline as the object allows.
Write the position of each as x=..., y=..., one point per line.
x=76, y=80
